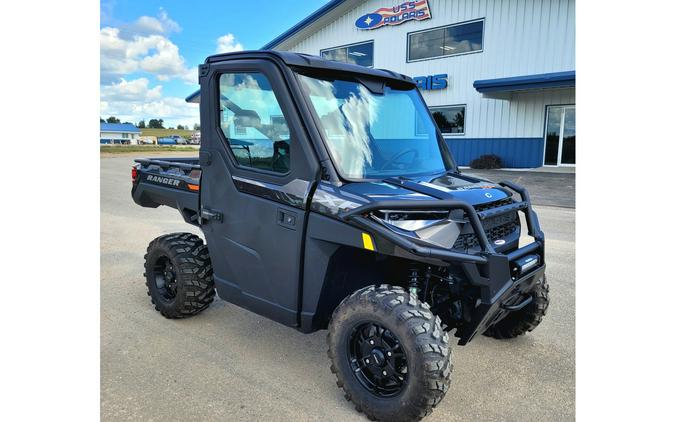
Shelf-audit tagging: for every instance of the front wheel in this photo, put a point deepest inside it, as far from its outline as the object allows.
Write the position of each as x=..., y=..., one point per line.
x=389, y=354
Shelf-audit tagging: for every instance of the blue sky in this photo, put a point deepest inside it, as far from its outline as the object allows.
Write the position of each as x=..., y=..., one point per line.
x=150, y=49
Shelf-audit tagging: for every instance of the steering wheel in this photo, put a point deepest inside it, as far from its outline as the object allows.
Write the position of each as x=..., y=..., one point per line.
x=393, y=159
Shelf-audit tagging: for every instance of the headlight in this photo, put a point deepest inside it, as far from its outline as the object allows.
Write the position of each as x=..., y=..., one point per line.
x=438, y=227
x=413, y=220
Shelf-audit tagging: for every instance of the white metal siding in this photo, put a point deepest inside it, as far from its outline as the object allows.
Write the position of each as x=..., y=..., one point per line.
x=522, y=37
x=133, y=137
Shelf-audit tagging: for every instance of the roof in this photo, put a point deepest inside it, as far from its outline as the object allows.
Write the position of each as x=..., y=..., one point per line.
x=522, y=83
x=304, y=61
x=119, y=127
x=309, y=61
x=328, y=7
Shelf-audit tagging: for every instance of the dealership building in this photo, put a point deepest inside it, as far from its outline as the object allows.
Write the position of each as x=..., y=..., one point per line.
x=498, y=76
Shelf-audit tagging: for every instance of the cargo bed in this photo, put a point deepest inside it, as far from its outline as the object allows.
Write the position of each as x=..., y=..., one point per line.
x=173, y=182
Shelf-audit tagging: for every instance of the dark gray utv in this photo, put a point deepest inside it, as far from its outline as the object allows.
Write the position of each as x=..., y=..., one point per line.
x=328, y=199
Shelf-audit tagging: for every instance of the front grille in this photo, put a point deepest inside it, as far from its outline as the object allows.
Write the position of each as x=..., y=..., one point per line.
x=495, y=227
x=495, y=204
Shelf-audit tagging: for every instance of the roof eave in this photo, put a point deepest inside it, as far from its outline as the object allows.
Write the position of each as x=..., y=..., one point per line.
x=554, y=80
x=328, y=7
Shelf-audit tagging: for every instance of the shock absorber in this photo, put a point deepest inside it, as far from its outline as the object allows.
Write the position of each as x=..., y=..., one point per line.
x=413, y=282
x=427, y=279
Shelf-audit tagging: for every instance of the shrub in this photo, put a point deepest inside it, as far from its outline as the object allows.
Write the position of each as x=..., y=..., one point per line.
x=489, y=161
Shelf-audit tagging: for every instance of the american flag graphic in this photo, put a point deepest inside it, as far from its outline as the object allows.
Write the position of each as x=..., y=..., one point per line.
x=396, y=15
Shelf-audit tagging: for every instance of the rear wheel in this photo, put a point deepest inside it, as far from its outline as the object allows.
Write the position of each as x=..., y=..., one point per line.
x=389, y=354
x=178, y=275
x=527, y=319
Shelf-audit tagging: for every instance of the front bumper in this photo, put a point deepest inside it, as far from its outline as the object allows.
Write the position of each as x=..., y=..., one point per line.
x=512, y=297
x=492, y=272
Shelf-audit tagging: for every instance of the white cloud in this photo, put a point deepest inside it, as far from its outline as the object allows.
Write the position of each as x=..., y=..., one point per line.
x=166, y=62
x=134, y=100
x=133, y=90
x=172, y=110
x=227, y=44
x=150, y=53
x=143, y=48
x=148, y=25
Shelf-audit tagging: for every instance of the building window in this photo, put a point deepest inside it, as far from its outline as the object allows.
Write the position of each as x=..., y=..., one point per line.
x=446, y=41
x=450, y=119
x=125, y=135
x=361, y=54
x=253, y=124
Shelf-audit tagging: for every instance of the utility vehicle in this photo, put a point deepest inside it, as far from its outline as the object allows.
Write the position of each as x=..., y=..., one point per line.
x=328, y=199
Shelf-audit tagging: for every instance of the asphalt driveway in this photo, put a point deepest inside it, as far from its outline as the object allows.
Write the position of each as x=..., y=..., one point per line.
x=554, y=189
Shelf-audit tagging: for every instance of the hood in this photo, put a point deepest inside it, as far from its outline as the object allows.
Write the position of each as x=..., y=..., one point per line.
x=446, y=186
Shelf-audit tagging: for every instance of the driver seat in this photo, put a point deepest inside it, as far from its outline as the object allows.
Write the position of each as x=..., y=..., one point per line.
x=281, y=158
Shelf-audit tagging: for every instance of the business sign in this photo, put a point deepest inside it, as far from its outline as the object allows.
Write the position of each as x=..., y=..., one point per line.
x=432, y=82
x=395, y=15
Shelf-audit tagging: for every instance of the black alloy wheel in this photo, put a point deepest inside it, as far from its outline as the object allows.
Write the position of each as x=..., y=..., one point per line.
x=165, y=277
x=377, y=359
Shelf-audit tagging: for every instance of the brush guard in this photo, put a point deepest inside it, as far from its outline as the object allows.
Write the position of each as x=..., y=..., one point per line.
x=501, y=291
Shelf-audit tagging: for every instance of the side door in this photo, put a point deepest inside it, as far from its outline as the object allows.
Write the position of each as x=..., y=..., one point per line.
x=257, y=171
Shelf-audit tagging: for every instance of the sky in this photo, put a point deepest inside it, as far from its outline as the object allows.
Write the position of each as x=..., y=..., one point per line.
x=150, y=49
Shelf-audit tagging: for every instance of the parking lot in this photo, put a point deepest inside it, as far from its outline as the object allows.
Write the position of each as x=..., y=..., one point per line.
x=230, y=364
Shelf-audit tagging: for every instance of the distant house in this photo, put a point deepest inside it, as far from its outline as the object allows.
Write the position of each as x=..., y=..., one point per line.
x=119, y=133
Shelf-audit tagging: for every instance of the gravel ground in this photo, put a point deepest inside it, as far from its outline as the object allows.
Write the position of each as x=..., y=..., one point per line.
x=230, y=364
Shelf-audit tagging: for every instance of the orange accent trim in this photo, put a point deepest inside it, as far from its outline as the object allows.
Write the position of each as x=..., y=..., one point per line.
x=193, y=187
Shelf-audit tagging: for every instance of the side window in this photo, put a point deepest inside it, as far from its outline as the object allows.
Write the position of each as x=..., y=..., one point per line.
x=446, y=41
x=361, y=54
x=252, y=122
x=450, y=119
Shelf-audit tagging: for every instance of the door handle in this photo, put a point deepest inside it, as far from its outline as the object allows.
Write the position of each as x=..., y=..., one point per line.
x=207, y=214
x=286, y=218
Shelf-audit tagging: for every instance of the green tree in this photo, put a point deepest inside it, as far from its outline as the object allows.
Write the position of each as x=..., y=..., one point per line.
x=102, y=121
x=156, y=124
x=112, y=119
x=459, y=120
x=180, y=127
x=141, y=124
x=196, y=126
x=442, y=121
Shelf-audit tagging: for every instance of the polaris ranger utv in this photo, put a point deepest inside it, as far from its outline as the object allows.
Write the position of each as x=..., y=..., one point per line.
x=329, y=200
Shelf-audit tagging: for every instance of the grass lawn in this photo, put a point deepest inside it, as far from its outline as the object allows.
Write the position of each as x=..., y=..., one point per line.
x=121, y=149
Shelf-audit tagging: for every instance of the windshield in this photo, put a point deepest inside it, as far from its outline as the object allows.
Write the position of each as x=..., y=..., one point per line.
x=375, y=135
